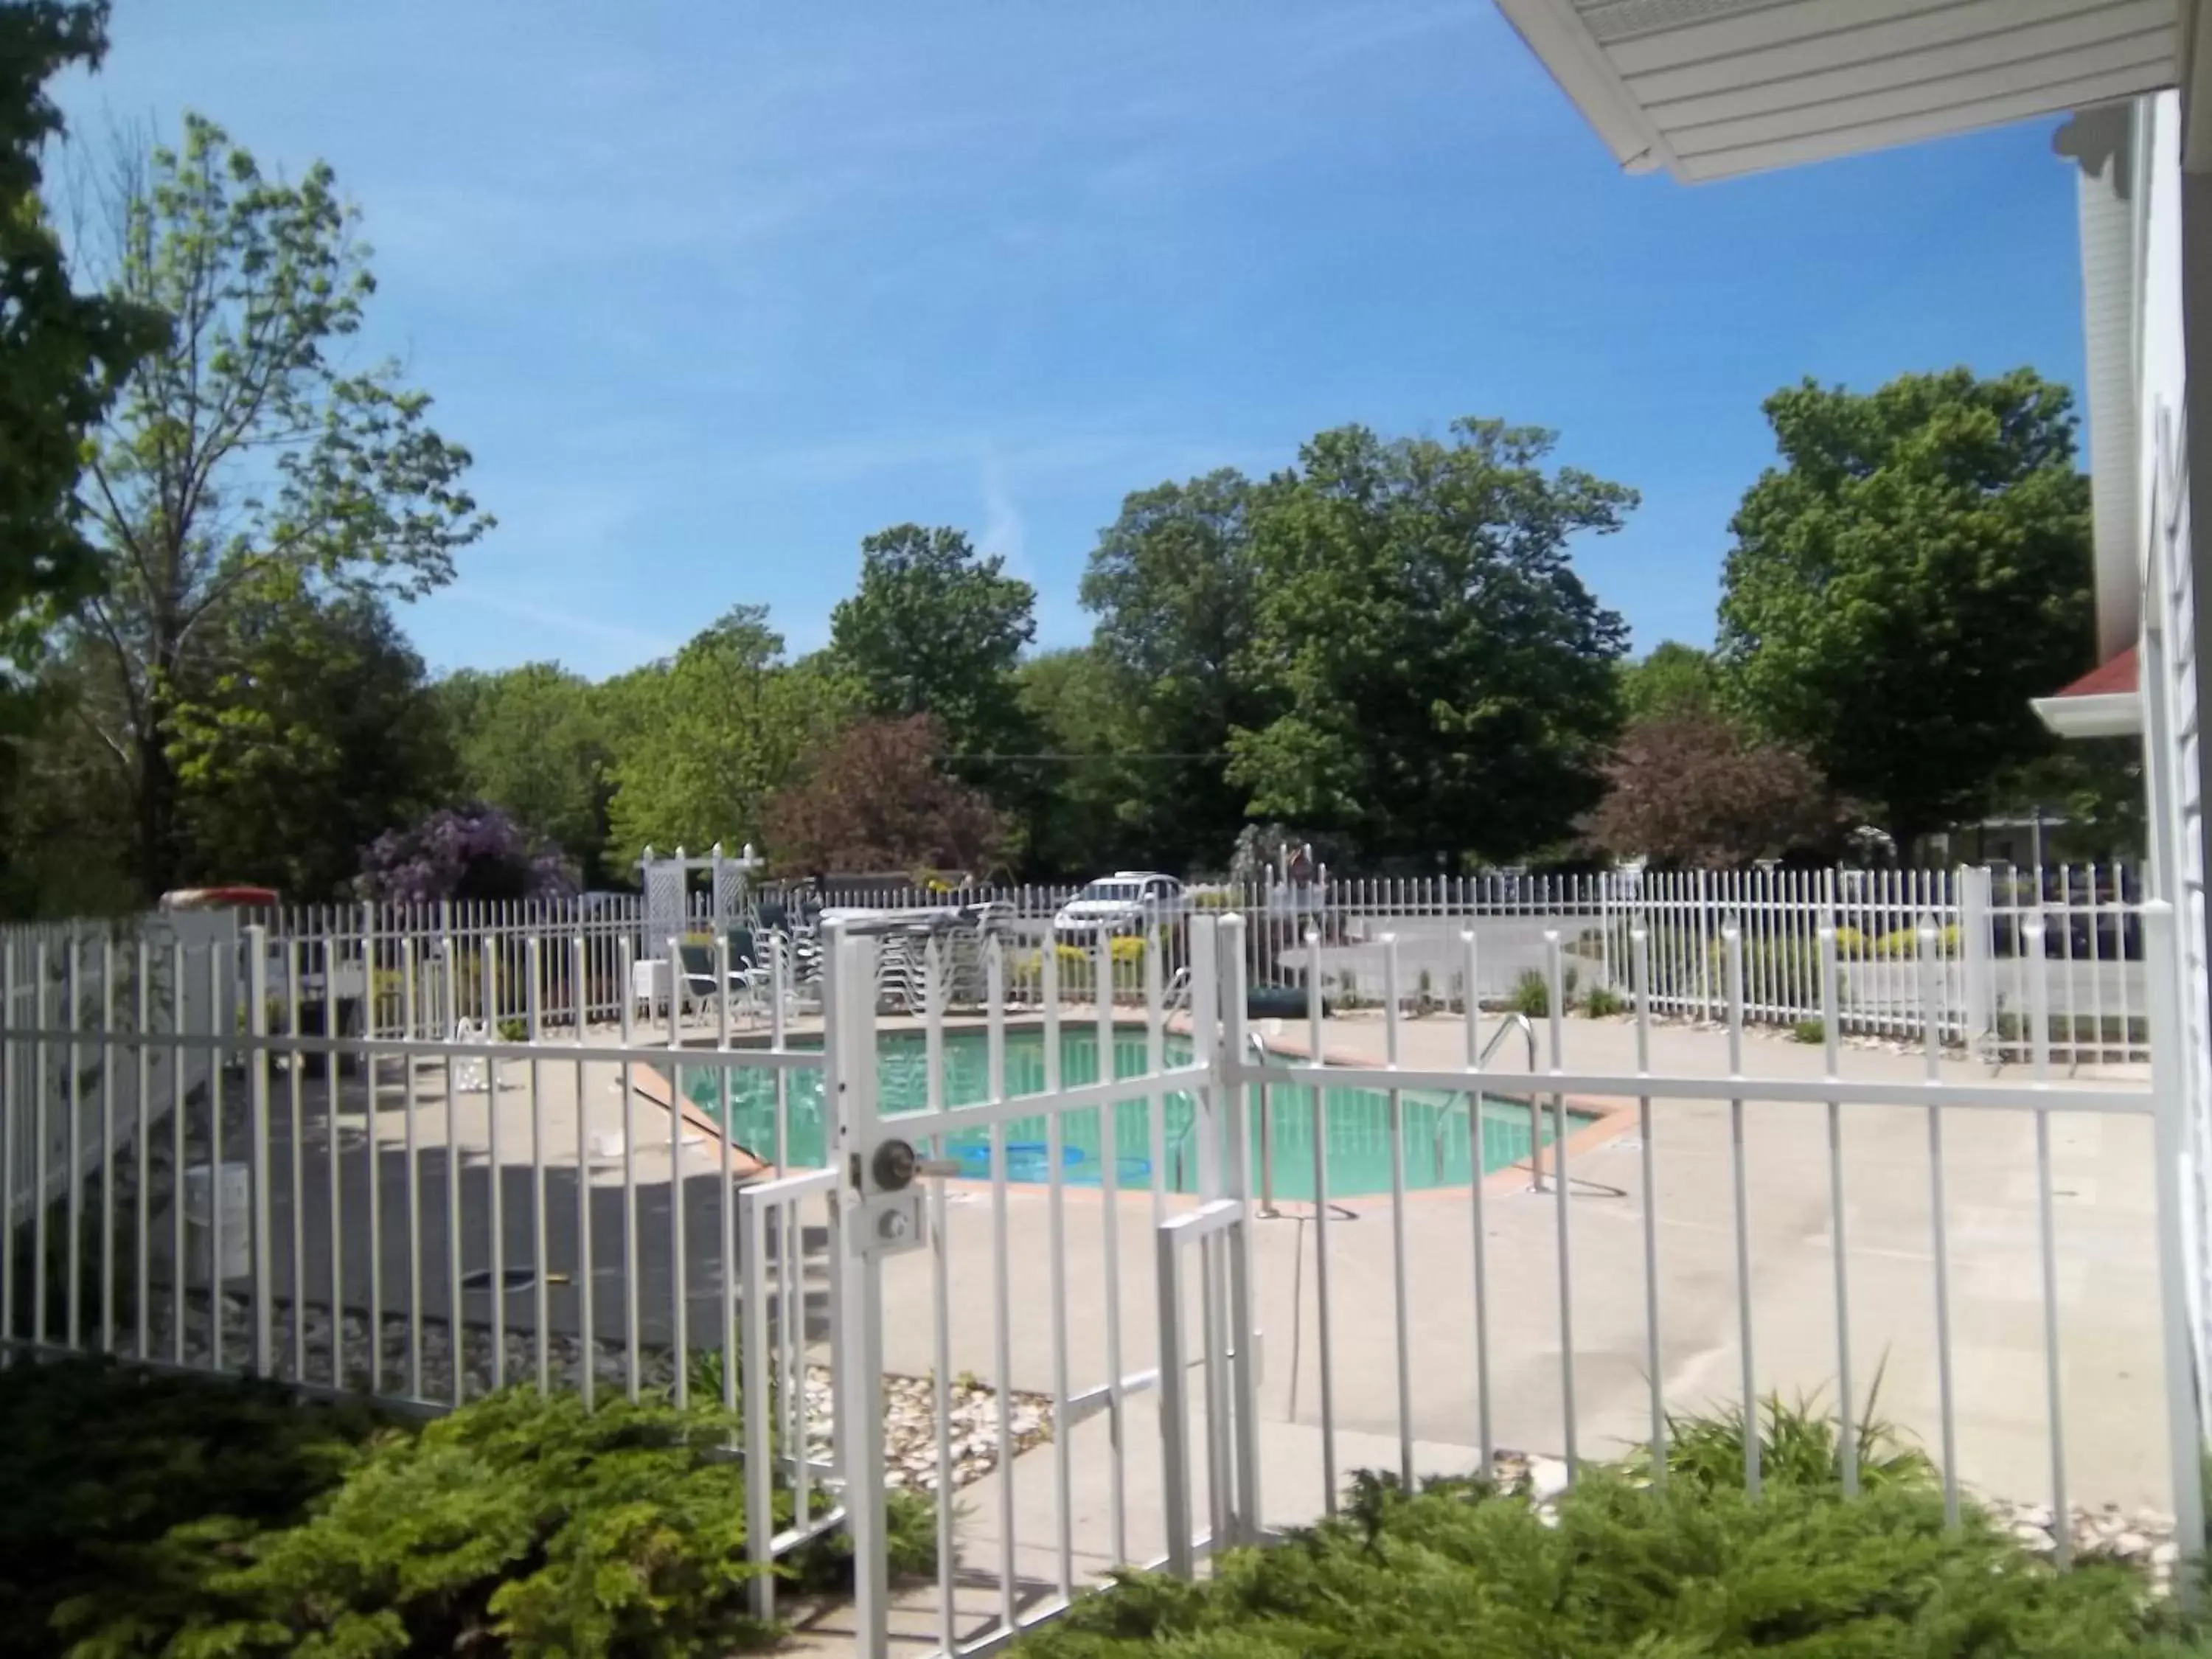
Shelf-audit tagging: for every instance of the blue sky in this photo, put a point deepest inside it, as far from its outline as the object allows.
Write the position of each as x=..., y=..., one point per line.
x=714, y=290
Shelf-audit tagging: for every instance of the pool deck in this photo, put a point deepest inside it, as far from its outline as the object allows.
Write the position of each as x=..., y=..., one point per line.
x=2107, y=1292
x=2106, y=1274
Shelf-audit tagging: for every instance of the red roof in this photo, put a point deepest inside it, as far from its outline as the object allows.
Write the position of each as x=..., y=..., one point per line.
x=2108, y=678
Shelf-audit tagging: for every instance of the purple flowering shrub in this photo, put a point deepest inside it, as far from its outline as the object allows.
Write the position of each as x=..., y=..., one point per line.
x=467, y=852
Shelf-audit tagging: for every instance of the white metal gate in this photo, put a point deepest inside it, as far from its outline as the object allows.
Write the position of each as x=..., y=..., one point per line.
x=1093, y=1500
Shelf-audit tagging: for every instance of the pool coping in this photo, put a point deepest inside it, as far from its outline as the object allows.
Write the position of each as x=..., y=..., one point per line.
x=1611, y=1116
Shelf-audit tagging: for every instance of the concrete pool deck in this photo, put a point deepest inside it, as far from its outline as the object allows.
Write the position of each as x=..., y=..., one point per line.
x=2107, y=1283
x=2110, y=1330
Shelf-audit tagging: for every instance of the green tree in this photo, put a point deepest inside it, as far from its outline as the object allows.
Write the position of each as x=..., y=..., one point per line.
x=62, y=356
x=1175, y=583
x=1099, y=813
x=245, y=451
x=304, y=728
x=711, y=735
x=2096, y=785
x=1916, y=570
x=1675, y=679
x=935, y=627
x=533, y=740
x=1447, y=680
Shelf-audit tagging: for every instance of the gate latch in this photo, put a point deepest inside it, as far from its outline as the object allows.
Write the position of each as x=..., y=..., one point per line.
x=895, y=1166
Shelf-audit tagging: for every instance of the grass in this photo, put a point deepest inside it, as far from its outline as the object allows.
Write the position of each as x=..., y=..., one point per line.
x=1532, y=993
x=1801, y=1445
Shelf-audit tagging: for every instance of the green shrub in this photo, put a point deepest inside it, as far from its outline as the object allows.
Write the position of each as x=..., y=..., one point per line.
x=1800, y=1445
x=1903, y=944
x=179, y=1516
x=120, y=1491
x=526, y=1521
x=1532, y=992
x=1808, y=1030
x=1459, y=1568
x=1600, y=1002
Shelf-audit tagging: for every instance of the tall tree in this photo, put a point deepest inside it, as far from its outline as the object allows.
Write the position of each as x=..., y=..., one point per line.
x=877, y=800
x=246, y=451
x=1102, y=811
x=533, y=741
x=936, y=628
x=1675, y=678
x=708, y=737
x=1447, y=680
x=1175, y=585
x=304, y=728
x=1916, y=570
x=62, y=356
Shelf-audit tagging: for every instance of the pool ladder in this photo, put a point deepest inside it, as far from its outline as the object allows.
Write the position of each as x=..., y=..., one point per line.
x=1467, y=1102
x=1267, y=1163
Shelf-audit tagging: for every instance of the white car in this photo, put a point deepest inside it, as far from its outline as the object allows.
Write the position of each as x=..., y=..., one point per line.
x=1126, y=901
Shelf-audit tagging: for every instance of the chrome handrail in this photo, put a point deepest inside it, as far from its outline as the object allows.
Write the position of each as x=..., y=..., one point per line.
x=1260, y=1053
x=1461, y=1102
x=1177, y=994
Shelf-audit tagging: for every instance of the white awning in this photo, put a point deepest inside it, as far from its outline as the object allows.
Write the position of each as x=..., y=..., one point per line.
x=2108, y=714
x=1709, y=88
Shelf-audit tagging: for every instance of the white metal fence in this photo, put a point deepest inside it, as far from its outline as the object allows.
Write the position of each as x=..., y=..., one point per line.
x=2090, y=970
x=1191, y=1346
x=367, y=965
x=1151, y=1225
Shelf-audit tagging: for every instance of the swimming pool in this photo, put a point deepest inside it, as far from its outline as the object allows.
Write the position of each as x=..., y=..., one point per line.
x=1356, y=1121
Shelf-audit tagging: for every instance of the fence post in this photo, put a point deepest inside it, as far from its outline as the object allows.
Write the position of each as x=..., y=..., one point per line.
x=1976, y=958
x=2175, y=1175
x=848, y=1077
x=265, y=1244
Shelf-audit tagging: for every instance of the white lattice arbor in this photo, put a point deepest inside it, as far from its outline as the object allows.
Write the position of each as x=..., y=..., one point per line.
x=667, y=881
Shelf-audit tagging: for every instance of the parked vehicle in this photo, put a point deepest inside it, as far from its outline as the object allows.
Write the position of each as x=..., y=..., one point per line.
x=1126, y=902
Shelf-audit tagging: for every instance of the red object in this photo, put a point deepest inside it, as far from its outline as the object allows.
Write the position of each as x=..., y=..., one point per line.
x=2120, y=675
x=220, y=898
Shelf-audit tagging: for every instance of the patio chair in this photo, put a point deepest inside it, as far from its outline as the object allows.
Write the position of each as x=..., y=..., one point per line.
x=697, y=986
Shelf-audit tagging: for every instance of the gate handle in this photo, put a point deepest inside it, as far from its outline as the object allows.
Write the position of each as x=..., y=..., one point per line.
x=896, y=1166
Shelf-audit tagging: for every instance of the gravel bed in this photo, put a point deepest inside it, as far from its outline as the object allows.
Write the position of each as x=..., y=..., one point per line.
x=909, y=1404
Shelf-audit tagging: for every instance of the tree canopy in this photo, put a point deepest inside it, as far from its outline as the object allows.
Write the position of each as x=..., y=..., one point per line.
x=707, y=738
x=1913, y=573
x=936, y=628
x=62, y=356
x=245, y=457
x=877, y=799
x=1175, y=583
x=536, y=742
x=1445, y=680
x=1675, y=678
x=1688, y=788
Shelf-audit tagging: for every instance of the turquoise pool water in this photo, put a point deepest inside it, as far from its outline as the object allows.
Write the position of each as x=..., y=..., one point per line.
x=1356, y=1121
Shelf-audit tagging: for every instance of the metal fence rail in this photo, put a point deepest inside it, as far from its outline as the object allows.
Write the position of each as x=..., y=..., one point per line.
x=419, y=1213
x=1162, y=1229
